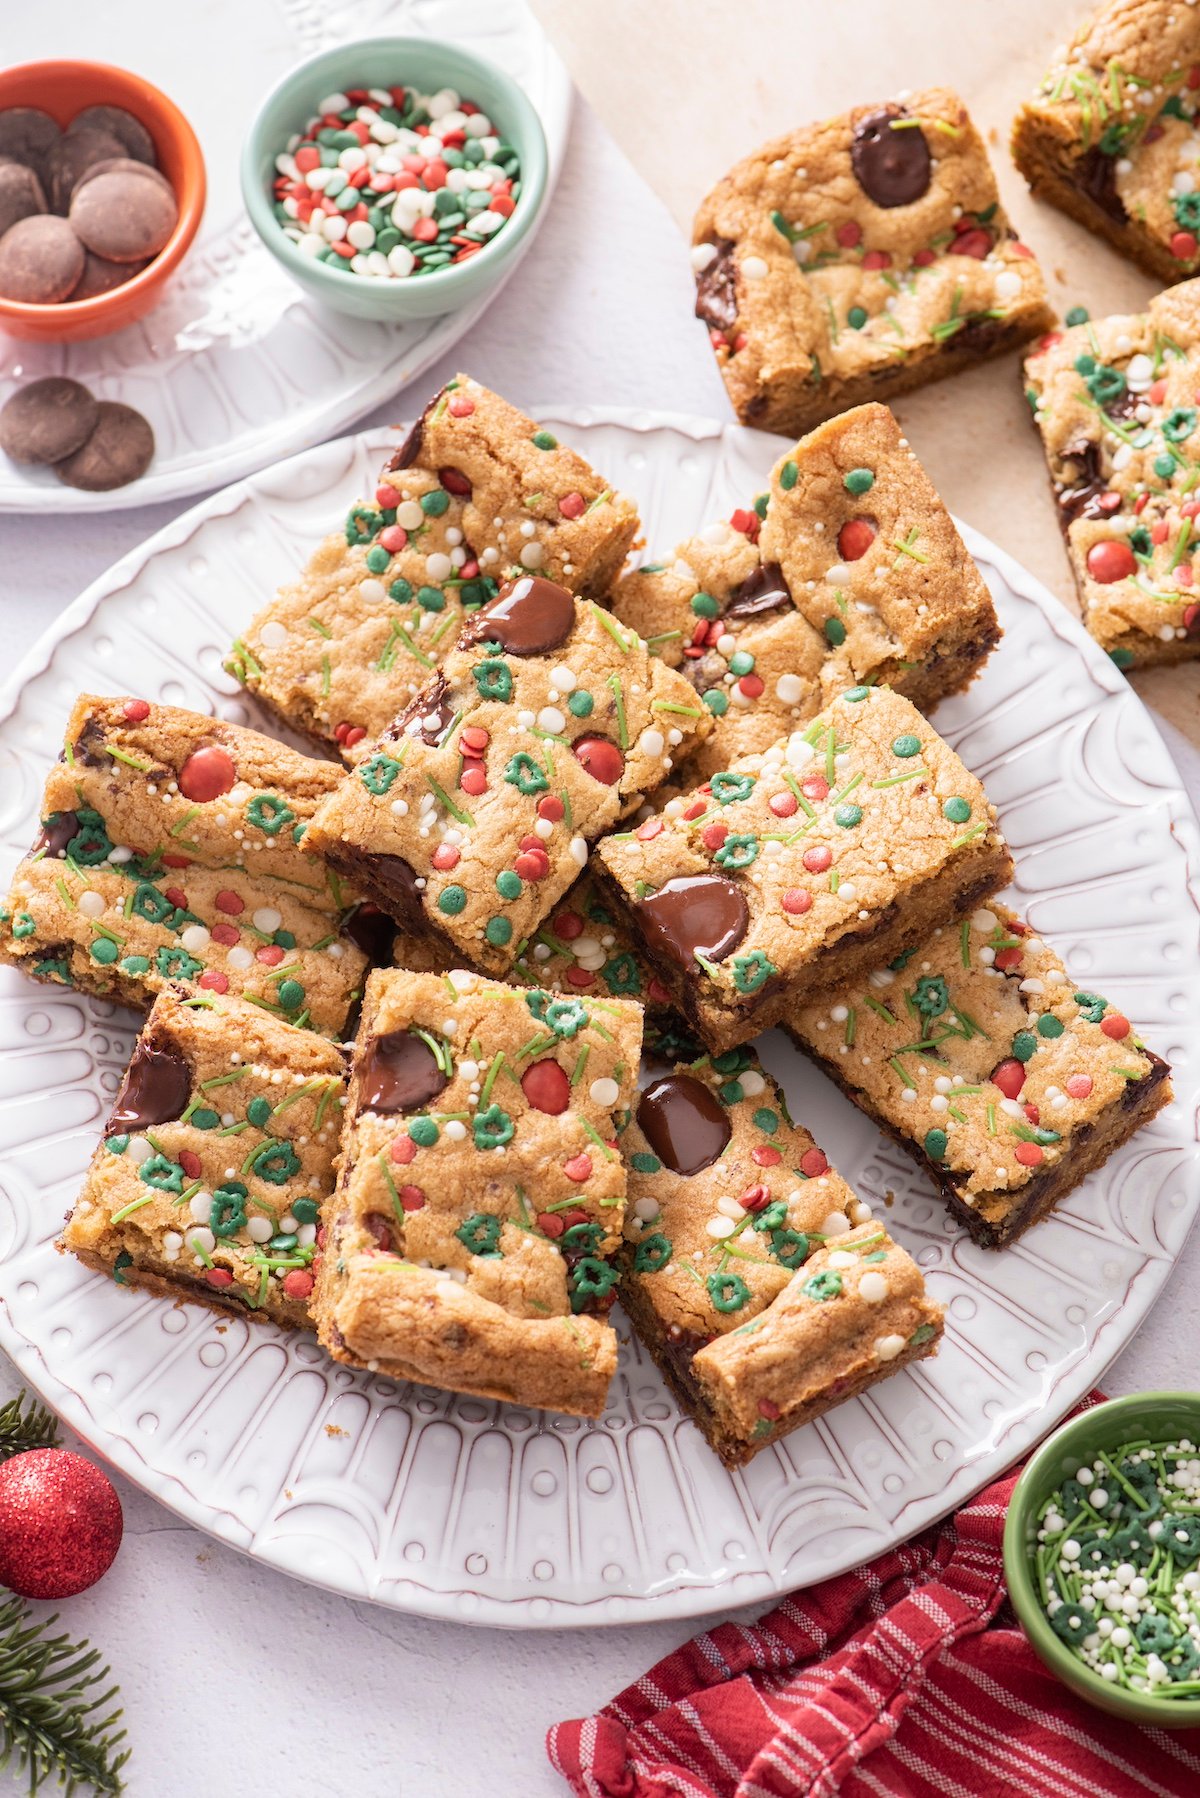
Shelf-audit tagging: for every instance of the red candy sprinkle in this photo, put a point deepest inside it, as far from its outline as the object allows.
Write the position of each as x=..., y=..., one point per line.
x=1115, y=1025
x=473, y=740
x=460, y=406
x=1009, y=1076
x=393, y=538
x=816, y=788
x=176, y=895
x=214, y=980
x=796, y=901
x=137, y=710
x=755, y=1198
x=567, y=925
x=923, y=258
x=646, y=833
x=849, y=234
x=403, y=1150
x=769, y=1409
x=783, y=804
x=176, y=861
x=445, y=857
x=207, y=774
x=1007, y=958
x=1079, y=1086
x=572, y=505
x=297, y=1284
x=218, y=1276
x=657, y=992
x=713, y=835
x=547, y=1088
x=228, y=900
x=1183, y=245
x=387, y=497
x=752, y=686
x=975, y=243
x=745, y=522
x=1033, y=1114
x=412, y=1198
x=227, y=934
x=855, y=539
x=818, y=859
x=877, y=259
x=455, y=481
x=580, y=978
x=766, y=1156
x=189, y=1161
x=473, y=779
x=550, y=1224
x=600, y=758
x=270, y=955
x=578, y=1168
x=1110, y=561
x=813, y=1163
x=551, y=807
x=1029, y=1154
x=425, y=231
x=532, y=864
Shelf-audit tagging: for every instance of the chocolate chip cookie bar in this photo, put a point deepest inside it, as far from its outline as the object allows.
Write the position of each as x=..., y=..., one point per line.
x=1116, y=403
x=216, y=1160
x=474, y=811
x=857, y=258
x=481, y=1193
x=978, y=1054
x=848, y=569
x=476, y=493
x=752, y=1273
x=169, y=850
x=803, y=868
x=1110, y=136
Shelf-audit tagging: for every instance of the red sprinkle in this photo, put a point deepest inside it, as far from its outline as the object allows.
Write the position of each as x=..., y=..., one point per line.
x=270, y=954
x=849, y=235
x=752, y=686
x=403, y=1150
x=877, y=259
x=1008, y=958
x=1110, y=561
x=1183, y=246
x=572, y=505
x=218, y=1276
x=387, y=497
x=445, y=857
x=137, y=710
x=1029, y=1154
x=228, y=900
x=646, y=833
x=550, y=1224
x=551, y=807
x=816, y=788
x=226, y=934
x=297, y=1284
x=207, y=774
x=755, y=1198
x=191, y=1164
x=818, y=859
x=412, y=1198
x=567, y=925
x=1009, y=1076
x=975, y=243
x=532, y=864
x=579, y=1168
x=547, y=1088
x=783, y=804
x=460, y=406
x=1116, y=1025
x=766, y=1156
x=769, y=1409
x=796, y=901
x=1079, y=1086
x=855, y=539
x=456, y=482
x=813, y=1163
x=713, y=835
x=473, y=779
x=474, y=739
x=214, y=980
x=600, y=758
x=393, y=538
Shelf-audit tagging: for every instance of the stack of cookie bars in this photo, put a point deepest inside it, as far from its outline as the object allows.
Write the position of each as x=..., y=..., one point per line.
x=590, y=832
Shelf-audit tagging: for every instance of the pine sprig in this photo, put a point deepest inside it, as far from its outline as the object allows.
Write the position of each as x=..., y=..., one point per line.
x=25, y=1426
x=55, y=1708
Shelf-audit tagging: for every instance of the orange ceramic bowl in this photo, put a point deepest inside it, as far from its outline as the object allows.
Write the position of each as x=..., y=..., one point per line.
x=62, y=89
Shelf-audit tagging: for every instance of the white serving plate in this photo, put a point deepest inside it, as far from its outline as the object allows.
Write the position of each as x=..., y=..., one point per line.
x=488, y=1513
x=237, y=368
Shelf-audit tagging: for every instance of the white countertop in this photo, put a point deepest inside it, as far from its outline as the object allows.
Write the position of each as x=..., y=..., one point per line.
x=222, y=1662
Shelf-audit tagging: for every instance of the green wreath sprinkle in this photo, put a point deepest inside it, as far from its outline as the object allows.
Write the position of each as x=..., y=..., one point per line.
x=480, y=1235
x=652, y=1254
x=378, y=772
x=524, y=774
x=752, y=971
x=591, y=1279
x=582, y=1236
x=177, y=964
x=931, y=995
x=728, y=1292
x=276, y=1163
x=726, y=788
x=91, y=843
x=150, y=904
x=1092, y=1005
x=1186, y=208
x=494, y=680
x=737, y=851
x=228, y=1214
x=23, y=925
x=1179, y=423
x=620, y=975
x=790, y=1248
x=493, y=1128
x=163, y=1175
x=566, y=1017
x=822, y=1286
x=269, y=813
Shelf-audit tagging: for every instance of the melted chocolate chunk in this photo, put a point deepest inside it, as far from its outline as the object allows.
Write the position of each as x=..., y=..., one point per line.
x=1096, y=176
x=684, y=1123
x=411, y=448
x=89, y=745
x=695, y=912
x=763, y=590
x=395, y=881
x=398, y=1072
x=56, y=833
x=433, y=707
x=155, y=1089
x=527, y=618
x=1089, y=497
x=893, y=168
x=716, y=288
x=370, y=930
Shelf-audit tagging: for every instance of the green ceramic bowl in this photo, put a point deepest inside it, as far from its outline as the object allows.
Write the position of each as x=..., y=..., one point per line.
x=1161, y=1416
x=426, y=64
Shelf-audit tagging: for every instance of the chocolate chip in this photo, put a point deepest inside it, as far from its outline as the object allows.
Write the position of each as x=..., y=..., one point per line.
x=119, y=450
x=69, y=157
x=57, y=831
x=126, y=165
x=763, y=590
x=26, y=134
x=21, y=194
x=684, y=1123
x=122, y=215
x=372, y=931
x=433, y=706
x=694, y=912
x=47, y=420
x=398, y=1072
x=129, y=132
x=41, y=260
x=155, y=1089
x=529, y=617
x=1096, y=176
x=100, y=276
x=716, y=289
x=893, y=167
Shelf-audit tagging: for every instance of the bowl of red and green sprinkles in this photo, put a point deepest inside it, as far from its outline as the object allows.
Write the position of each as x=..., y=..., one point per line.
x=1102, y=1556
x=395, y=178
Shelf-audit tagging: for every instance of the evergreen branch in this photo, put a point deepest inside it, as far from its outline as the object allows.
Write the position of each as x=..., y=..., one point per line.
x=56, y=1715
x=34, y=1427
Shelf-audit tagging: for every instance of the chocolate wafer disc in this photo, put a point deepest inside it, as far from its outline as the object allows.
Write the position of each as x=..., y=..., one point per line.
x=128, y=130
x=124, y=216
x=47, y=420
x=68, y=158
x=119, y=450
x=26, y=134
x=21, y=194
x=41, y=260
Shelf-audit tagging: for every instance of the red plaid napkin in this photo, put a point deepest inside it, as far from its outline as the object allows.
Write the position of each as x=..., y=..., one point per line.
x=908, y=1678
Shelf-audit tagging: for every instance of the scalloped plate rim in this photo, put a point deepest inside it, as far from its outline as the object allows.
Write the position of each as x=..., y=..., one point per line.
x=686, y=1600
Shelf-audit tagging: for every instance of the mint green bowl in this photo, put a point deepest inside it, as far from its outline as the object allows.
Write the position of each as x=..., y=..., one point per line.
x=1160, y=1416
x=426, y=64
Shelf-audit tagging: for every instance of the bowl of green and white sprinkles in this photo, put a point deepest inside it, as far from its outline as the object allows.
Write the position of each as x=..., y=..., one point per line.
x=1102, y=1556
x=395, y=178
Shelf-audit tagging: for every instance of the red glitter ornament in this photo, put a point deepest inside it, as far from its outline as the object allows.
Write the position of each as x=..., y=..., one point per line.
x=60, y=1523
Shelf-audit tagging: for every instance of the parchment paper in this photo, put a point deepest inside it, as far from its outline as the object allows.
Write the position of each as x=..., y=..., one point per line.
x=687, y=89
